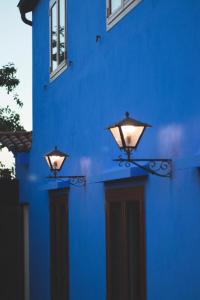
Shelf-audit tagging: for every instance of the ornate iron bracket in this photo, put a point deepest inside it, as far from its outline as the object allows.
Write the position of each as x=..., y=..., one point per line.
x=73, y=180
x=159, y=167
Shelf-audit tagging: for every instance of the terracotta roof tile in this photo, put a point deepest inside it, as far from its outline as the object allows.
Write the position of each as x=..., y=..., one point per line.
x=19, y=141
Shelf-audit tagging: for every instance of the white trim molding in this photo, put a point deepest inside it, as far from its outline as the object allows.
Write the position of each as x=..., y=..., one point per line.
x=113, y=18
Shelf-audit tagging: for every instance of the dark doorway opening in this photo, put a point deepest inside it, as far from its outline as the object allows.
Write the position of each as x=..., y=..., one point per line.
x=125, y=234
x=14, y=243
x=58, y=203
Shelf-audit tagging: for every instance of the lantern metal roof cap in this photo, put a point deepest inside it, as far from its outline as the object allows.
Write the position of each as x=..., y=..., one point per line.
x=129, y=121
x=57, y=152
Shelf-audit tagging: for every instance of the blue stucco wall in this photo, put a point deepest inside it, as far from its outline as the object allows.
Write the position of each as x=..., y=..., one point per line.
x=22, y=172
x=147, y=64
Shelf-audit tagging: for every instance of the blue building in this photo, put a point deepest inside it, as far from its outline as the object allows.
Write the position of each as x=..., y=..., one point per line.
x=124, y=234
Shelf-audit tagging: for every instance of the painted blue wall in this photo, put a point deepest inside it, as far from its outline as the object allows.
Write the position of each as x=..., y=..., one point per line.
x=147, y=64
x=22, y=172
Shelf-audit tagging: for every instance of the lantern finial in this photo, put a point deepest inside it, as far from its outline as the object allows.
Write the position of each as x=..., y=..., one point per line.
x=127, y=114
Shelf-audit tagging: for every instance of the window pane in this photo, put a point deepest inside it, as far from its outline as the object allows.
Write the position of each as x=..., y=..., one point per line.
x=54, y=60
x=62, y=32
x=115, y=4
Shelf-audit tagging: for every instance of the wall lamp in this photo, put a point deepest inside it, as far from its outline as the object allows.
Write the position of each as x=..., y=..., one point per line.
x=127, y=134
x=55, y=160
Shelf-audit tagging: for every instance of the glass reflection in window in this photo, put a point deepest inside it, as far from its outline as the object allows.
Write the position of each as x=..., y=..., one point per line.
x=115, y=5
x=58, y=35
x=54, y=37
x=62, y=32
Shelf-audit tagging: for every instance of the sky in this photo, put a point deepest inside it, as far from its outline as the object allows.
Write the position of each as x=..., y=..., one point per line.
x=16, y=47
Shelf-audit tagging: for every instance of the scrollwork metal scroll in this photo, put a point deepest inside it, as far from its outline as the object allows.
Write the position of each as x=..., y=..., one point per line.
x=78, y=180
x=159, y=167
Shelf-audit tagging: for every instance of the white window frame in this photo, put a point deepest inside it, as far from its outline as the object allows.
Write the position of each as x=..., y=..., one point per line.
x=63, y=65
x=113, y=18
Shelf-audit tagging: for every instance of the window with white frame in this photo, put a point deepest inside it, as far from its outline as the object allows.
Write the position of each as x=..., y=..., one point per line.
x=57, y=15
x=116, y=9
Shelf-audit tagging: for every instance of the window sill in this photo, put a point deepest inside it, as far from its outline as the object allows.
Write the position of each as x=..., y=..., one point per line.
x=113, y=19
x=60, y=69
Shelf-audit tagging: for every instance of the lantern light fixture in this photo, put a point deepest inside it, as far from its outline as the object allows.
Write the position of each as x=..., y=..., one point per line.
x=55, y=160
x=127, y=134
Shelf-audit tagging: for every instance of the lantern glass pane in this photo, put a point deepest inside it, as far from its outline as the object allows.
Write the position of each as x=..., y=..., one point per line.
x=131, y=134
x=56, y=162
x=46, y=157
x=116, y=134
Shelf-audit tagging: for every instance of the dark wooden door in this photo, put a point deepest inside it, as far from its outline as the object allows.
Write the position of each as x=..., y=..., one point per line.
x=59, y=244
x=125, y=243
x=12, y=242
x=11, y=252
